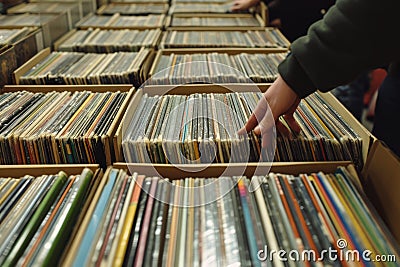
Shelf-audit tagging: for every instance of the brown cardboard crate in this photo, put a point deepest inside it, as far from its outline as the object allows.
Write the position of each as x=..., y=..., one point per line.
x=169, y=21
x=52, y=26
x=72, y=32
x=103, y=10
x=234, y=169
x=229, y=51
x=152, y=90
x=73, y=10
x=113, y=19
x=28, y=46
x=85, y=6
x=216, y=49
x=107, y=141
x=17, y=171
x=8, y=63
x=145, y=64
x=381, y=179
x=138, y=1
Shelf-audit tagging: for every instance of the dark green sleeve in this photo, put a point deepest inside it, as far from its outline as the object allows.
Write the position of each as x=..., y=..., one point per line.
x=354, y=36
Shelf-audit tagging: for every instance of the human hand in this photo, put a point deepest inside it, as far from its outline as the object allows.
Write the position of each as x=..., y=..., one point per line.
x=239, y=5
x=278, y=100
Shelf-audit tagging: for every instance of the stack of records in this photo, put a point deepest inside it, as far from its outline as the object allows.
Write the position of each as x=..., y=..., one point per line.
x=43, y=7
x=202, y=128
x=269, y=38
x=216, y=68
x=201, y=1
x=38, y=216
x=10, y=36
x=138, y=1
x=177, y=8
x=204, y=21
x=123, y=22
x=25, y=19
x=108, y=41
x=59, y=127
x=81, y=68
x=147, y=221
x=133, y=9
x=324, y=134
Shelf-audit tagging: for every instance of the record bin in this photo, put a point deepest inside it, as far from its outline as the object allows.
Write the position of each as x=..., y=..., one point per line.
x=52, y=26
x=378, y=181
x=188, y=89
x=145, y=65
x=107, y=141
x=86, y=6
x=170, y=26
x=17, y=171
x=133, y=8
x=28, y=46
x=229, y=51
x=381, y=180
x=198, y=7
x=138, y=1
x=64, y=38
x=285, y=46
x=8, y=63
x=73, y=10
x=114, y=18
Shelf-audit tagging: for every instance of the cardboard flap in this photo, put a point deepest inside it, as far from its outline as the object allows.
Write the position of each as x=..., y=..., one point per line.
x=381, y=180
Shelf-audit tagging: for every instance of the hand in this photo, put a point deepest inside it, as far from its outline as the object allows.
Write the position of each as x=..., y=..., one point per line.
x=239, y=5
x=278, y=100
x=275, y=23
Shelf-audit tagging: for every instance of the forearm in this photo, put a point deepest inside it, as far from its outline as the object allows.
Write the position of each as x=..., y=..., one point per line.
x=355, y=35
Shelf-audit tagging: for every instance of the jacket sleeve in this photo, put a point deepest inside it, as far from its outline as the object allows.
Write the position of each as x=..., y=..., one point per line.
x=353, y=36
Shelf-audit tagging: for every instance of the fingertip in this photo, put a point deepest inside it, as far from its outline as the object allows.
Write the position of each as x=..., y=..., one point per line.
x=293, y=124
x=257, y=130
x=242, y=131
x=282, y=129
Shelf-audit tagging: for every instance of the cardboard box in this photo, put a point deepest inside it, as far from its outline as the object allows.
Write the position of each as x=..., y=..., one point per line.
x=28, y=46
x=114, y=18
x=381, y=180
x=73, y=10
x=107, y=140
x=229, y=51
x=72, y=32
x=138, y=1
x=8, y=63
x=52, y=26
x=136, y=7
x=169, y=21
x=86, y=6
x=174, y=172
x=145, y=65
x=6, y=4
x=262, y=9
x=151, y=90
x=217, y=49
x=17, y=171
